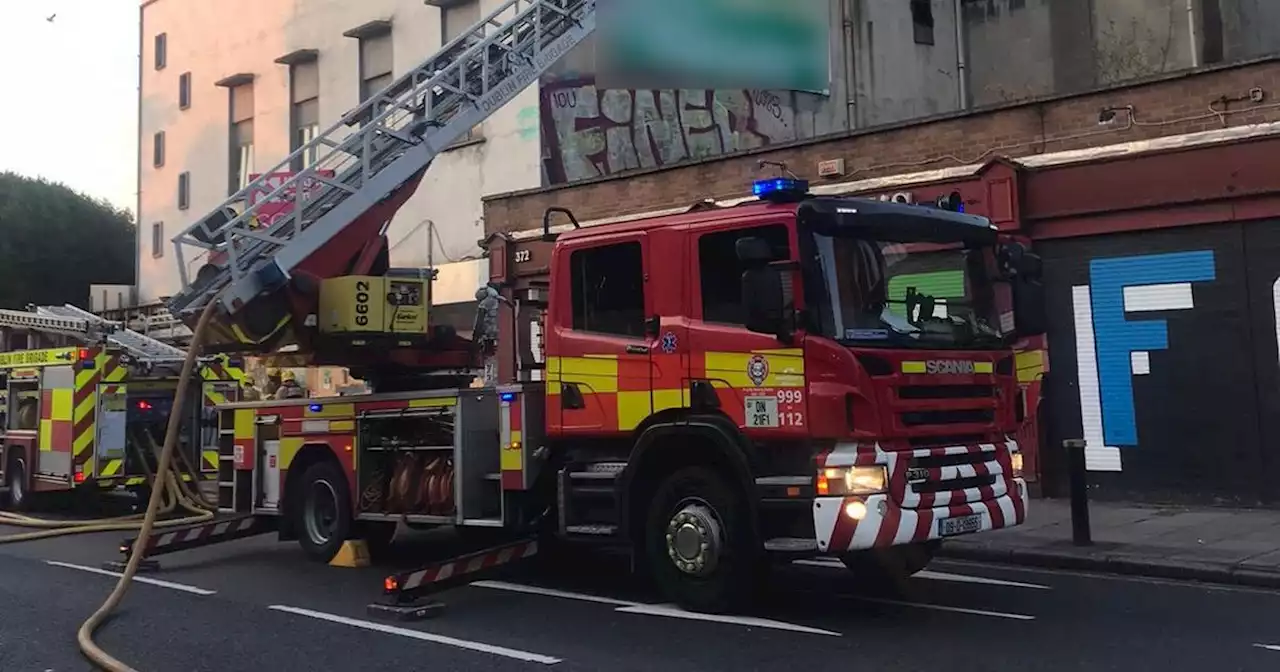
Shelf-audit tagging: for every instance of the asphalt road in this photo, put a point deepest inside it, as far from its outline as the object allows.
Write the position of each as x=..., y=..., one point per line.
x=258, y=605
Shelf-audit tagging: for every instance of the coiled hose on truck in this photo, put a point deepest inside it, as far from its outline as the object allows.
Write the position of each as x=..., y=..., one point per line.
x=168, y=492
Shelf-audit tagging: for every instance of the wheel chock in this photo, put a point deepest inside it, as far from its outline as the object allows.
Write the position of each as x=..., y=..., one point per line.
x=406, y=612
x=354, y=553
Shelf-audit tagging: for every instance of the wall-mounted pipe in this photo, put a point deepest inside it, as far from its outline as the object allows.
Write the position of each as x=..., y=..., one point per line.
x=962, y=64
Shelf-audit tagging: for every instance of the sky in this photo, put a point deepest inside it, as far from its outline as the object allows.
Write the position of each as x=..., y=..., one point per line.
x=70, y=111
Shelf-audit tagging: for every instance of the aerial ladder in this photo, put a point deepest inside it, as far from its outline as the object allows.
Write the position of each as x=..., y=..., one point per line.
x=265, y=280
x=90, y=329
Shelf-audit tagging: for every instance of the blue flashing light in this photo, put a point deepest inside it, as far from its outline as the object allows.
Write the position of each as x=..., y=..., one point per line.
x=314, y=408
x=507, y=396
x=779, y=186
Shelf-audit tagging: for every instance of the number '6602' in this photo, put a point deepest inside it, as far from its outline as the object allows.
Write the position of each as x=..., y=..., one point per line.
x=362, y=303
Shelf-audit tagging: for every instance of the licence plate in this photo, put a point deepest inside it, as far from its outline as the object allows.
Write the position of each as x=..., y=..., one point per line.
x=949, y=527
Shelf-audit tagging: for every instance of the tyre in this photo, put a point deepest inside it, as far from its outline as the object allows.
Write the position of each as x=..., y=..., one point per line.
x=892, y=564
x=699, y=543
x=16, y=480
x=322, y=517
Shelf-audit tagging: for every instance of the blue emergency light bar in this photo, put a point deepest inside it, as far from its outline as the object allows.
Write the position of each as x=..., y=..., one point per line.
x=780, y=188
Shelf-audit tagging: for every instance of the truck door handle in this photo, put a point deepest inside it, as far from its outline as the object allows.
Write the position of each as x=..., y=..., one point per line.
x=637, y=349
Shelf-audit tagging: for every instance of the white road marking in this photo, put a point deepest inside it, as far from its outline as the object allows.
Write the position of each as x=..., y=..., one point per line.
x=139, y=579
x=965, y=578
x=1269, y=647
x=552, y=592
x=420, y=635
x=933, y=575
x=940, y=607
x=667, y=610
x=672, y=611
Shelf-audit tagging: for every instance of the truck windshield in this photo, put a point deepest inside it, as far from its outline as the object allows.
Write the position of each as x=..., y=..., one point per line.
x=882, y=292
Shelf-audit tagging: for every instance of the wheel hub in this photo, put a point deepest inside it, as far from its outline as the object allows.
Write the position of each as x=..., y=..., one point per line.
x=321, y=512
x=695, y=539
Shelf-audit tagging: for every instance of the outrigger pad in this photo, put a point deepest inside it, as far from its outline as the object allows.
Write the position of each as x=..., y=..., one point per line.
x=407, y=612
x=144, y=566
x=354, y=553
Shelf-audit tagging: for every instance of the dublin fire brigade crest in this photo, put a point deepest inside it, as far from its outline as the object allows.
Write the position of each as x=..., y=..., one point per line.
x=757, y=369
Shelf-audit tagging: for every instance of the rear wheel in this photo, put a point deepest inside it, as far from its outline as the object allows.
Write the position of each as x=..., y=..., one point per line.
x=322, y=515
x=16, y=480
x=699, y=544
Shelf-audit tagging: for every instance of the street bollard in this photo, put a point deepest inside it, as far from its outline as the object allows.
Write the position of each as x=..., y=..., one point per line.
x=1079, y=486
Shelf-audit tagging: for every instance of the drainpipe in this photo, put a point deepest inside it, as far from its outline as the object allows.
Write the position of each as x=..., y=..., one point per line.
x=848, y=14
x=1193, y=33
x=962, y=66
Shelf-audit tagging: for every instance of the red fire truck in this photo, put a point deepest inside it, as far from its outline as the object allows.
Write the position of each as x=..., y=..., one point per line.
x=789, y=377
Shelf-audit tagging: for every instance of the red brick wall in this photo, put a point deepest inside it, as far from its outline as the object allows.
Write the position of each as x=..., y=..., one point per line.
x=1168, y=106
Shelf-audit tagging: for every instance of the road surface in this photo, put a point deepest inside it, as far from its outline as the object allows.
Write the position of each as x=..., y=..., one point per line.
x=256, y=604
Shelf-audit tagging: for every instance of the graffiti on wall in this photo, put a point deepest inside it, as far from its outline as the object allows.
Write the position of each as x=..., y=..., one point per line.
x=590, y=132
x=1115, y=337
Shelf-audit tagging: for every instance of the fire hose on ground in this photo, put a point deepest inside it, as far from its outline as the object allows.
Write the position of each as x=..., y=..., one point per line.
x=168, y=493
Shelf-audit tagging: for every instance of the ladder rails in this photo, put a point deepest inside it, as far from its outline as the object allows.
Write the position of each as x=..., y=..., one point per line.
x=373, y=151
x=138, y=345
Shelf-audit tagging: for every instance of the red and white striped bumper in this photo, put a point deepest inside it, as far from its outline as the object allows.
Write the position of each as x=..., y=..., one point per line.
x=911, y=510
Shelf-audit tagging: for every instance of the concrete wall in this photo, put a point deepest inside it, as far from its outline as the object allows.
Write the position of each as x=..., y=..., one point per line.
x=213, y=40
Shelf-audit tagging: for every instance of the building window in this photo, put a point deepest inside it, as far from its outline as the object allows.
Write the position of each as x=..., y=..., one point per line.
x=157, y=240
x=722, y=287
x=157, y=149
x=455, y=20
x=162, y=51
x=241, y=135
x=184, y=91
x=922, y=21
x=184, y=191
x=375, y=64
x=304, y=85
x=608, y=289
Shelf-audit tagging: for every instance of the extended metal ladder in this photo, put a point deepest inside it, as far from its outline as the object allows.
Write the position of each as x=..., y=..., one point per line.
x=373, y=151
x=137, y=345
x=81, y=324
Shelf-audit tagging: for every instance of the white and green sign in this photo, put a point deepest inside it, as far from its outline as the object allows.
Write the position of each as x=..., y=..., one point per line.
x=711, y=44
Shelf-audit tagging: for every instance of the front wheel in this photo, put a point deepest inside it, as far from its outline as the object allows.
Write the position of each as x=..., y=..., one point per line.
x=894, y=563
x=322, y=515
x=699, y=543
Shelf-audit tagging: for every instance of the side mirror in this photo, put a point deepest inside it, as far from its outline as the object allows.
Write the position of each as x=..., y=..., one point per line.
x=1016, y=260
x=1029, y=315
x=764, y=301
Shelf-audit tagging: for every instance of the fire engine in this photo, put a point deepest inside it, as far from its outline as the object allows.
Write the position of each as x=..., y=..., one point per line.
x=85, y=400
x=792, y=376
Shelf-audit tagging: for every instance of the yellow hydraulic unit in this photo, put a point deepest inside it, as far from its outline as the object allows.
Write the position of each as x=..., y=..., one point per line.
x=368, y=305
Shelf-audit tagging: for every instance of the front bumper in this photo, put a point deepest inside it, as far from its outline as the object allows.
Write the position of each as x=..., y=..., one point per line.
x=885, y=523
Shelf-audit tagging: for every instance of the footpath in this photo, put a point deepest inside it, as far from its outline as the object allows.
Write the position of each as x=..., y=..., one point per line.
x=1233, y=546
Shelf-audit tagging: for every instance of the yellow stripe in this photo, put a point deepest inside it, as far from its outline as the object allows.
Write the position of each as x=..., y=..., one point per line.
x=433, y=403
x=243, y=428
x=210, y=458
x=665, y=399
x=342, y=426
x=135, y=480
x=983, y=367
x=289, y=447
x=597, y=374
x=633, y=408
x=113, y=468
x=46, y=435
x=786, y=368
x=115, y=375
x=913, y=367
x=511, y=458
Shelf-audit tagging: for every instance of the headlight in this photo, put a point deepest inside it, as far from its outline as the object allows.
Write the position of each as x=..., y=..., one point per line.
x=852, y=480
x=1016, y=460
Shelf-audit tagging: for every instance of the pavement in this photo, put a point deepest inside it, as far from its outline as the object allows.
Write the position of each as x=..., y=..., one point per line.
x=257, y=604
x=1233, y=546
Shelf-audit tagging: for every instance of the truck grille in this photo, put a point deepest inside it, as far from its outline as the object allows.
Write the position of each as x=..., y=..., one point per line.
x=951, y=475
x=957, y=416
